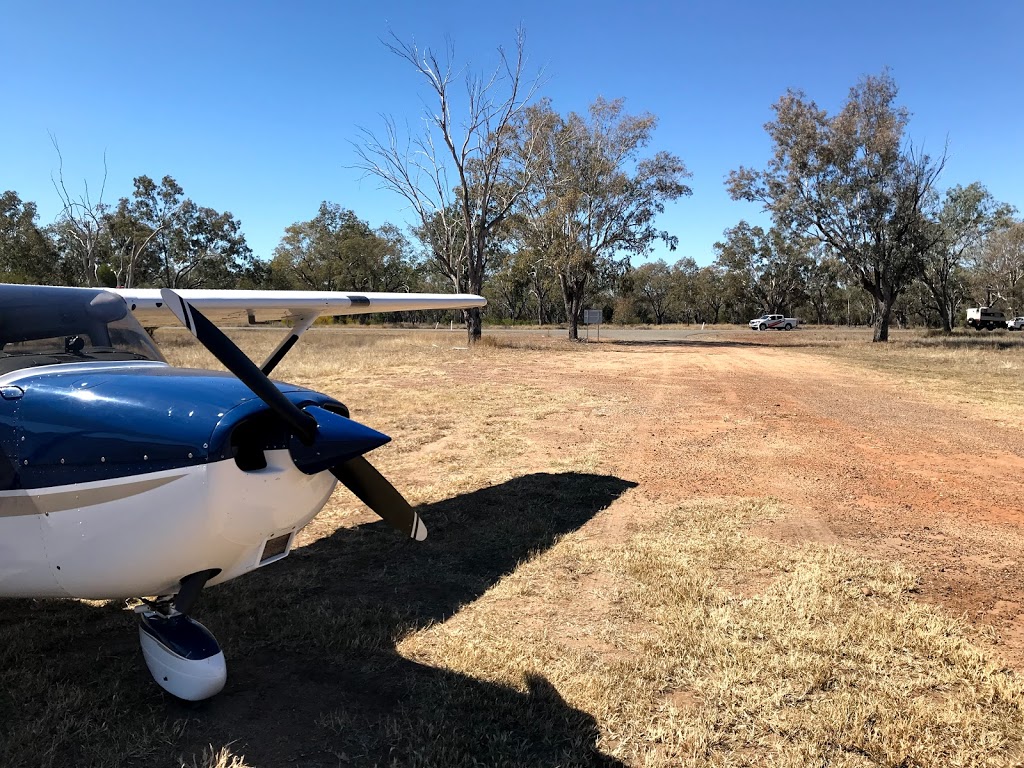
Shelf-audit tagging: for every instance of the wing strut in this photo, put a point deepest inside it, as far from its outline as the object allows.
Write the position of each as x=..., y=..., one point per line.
x=302, y=324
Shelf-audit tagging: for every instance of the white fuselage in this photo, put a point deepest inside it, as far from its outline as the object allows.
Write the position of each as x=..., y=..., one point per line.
x=139, y=535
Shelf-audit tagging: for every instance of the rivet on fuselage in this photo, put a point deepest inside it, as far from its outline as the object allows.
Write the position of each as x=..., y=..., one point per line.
x=103, y=459
x=62, y=461
x=145, y=457
x=190, y=455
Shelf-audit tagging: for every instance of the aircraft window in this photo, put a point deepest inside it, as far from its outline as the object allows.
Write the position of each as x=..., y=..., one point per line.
x=49, y=326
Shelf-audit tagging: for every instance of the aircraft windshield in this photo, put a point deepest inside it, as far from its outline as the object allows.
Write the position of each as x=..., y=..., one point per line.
x=48, y=326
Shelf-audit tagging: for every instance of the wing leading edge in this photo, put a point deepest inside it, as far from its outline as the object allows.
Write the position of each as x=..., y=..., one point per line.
x=248, y=307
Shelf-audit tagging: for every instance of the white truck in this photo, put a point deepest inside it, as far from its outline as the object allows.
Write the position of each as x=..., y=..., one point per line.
x=980, y=318
x=1015, y=324
x=778, y=322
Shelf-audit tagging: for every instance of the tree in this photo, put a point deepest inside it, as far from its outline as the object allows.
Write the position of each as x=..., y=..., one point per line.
x=462, y=179
x=337, y=251
x=509, y=285
x=594, y=199
x=141, y=229
x=205, y=249
x=653, y=282
x=543, y=285
x=999, y=264
x=708, y=294
x=822, y=286
x=850, y=182
x=81, y=226
x=26, y=254
x=327, y=253
x=968, y=214
x=771, y=266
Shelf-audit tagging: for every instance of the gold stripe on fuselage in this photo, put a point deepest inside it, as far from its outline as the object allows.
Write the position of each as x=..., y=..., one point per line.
x=43, y=501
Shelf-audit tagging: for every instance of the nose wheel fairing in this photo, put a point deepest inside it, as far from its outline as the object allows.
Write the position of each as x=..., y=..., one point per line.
x=182, y=655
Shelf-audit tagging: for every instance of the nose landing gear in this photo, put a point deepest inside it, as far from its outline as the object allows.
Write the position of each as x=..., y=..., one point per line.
x=182, y=655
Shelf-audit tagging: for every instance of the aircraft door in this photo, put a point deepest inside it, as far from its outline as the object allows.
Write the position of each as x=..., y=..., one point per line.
x=24, y=570
x=10, y=400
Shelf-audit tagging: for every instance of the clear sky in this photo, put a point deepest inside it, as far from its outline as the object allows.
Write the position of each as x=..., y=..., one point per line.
x=253, y=107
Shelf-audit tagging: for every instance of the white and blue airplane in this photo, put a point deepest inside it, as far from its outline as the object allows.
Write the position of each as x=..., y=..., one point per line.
x=124, y=477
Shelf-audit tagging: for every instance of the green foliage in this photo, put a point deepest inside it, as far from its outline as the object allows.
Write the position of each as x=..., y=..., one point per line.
x=27, y=255
x=849, y=182
x=594, y=196
x=336, y=250
x=772, y=266
x=965, y=219
x=998, y=264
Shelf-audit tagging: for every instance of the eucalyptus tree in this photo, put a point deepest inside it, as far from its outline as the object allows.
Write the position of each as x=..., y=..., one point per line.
x=140, y=229
x=206, y=249
x=465, y=173
x=594, y=196
x=708, y=293
x=772, y=266
x=330, y=252
x=852, y=182
x=81, y=226
x=653, y=284
x=508, y=289
x=27, y=255
x=966, y=217
x=821, y=289
x=999, y=264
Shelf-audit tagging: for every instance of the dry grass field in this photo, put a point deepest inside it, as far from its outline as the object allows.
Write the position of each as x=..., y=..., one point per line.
x=725, y=549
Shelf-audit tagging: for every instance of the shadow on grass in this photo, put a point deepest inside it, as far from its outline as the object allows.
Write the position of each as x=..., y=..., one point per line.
x=314, y=678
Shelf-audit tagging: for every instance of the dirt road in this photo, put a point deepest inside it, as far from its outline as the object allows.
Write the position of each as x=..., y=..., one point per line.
x=860, y=460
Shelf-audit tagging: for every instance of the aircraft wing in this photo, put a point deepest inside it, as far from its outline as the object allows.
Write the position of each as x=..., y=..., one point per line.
x=249, y=307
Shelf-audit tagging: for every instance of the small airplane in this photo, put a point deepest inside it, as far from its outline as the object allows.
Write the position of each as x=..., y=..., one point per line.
x=123, y=477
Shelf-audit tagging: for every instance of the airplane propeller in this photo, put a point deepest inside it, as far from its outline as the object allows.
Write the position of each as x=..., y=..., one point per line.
x=322, y=440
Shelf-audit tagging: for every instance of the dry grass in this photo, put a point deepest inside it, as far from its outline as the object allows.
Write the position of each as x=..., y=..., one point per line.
x=832, y=662
x=984, y=369
x=523, y=636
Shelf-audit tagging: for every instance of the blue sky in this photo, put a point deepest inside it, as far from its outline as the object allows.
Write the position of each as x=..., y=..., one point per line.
x=253, y=106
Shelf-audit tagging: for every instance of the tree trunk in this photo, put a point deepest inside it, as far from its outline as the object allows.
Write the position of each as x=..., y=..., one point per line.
x=572, y=293
x=473, y=325
x=572, y=308
x=943, y=305
x=883, y=314
x=946, y=316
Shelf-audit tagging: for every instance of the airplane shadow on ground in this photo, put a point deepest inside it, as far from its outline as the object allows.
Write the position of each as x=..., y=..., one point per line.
x=314, y=678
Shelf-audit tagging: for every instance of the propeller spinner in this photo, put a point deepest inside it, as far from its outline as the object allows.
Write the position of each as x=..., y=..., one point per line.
x=323, y=441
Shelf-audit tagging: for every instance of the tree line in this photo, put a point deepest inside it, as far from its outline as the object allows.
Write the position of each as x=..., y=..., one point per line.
x=544, y=212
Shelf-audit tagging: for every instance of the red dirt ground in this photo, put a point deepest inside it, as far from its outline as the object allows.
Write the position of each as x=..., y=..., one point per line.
x=860, y=461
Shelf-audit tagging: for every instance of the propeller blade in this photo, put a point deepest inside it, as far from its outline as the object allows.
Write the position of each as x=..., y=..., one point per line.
x=340, y=439
x=235, y=360
x=373, y=489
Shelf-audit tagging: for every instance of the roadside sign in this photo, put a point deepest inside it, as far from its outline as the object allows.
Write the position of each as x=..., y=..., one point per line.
x=593, y=317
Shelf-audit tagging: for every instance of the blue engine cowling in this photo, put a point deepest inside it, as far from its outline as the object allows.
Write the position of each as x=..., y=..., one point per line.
x=67, y=426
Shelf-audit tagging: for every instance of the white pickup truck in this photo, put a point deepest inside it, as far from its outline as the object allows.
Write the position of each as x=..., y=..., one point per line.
x=1015, y=324
x=778, y=322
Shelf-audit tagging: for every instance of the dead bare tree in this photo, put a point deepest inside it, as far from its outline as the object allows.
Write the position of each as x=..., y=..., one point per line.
x=462, y=179
x=82, y=223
